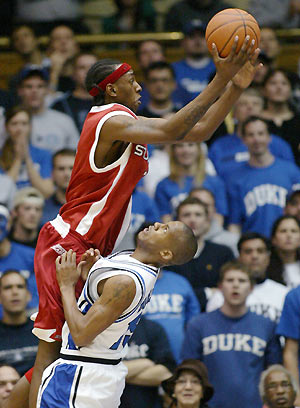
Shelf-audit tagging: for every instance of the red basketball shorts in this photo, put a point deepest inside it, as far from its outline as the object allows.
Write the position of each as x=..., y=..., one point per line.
x=50, y=319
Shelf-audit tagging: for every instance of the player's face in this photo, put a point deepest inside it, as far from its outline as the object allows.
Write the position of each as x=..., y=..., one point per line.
x=188, y=389
x=33, y=92
x=62, y=171
x=279, y=391
x=248, y=105
x=186, y=154
x=235, y=287
x=257, y=138
x=287, y=235
x=8, y=379
x=128, y=91
x=256, y=256
x=24, y=41
x=19, y=126
x=83, y=64
x=29, y=215
x=149, y=52
x=278, y=88
x=195, y=217
x=195, y=44
x=14, y=295
x=293, y=207
x=160, y=85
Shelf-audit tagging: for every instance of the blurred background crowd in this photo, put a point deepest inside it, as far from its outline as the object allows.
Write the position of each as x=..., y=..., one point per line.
x=239, y=191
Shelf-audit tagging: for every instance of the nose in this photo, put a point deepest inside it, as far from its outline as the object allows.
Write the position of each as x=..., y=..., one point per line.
x=138, y=87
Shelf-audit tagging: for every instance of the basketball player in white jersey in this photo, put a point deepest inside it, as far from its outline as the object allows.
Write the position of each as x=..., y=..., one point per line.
x=90, y=372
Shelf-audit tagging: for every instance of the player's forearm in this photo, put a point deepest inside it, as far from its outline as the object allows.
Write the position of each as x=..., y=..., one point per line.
x=136, y=366
x=183, y=121
x=215, y=115
x=74, y=318
x=151, y=377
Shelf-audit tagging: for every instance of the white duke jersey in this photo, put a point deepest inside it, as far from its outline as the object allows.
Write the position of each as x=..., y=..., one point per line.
x=112, y=342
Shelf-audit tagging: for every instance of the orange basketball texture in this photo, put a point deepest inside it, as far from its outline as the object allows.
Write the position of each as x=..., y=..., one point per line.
x=228, y=23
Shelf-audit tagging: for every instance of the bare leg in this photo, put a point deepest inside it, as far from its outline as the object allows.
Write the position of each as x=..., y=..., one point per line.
x=46, y=354
x=19, y=396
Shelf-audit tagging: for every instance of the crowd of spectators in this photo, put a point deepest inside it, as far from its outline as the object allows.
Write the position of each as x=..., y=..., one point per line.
x=236, y=305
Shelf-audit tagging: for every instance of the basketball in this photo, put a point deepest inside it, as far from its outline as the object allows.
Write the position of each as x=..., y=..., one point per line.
x=228, y=23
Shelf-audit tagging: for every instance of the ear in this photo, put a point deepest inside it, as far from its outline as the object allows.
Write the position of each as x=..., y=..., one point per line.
x=166, y=255
x=111, y=90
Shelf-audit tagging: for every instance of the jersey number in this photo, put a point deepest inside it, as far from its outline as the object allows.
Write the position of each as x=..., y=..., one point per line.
x=125, y=337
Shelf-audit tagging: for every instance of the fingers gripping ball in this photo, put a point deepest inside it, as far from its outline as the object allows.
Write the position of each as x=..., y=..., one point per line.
x=226, y=25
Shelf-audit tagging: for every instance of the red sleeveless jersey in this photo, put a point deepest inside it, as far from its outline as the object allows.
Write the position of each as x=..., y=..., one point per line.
x=98, y=203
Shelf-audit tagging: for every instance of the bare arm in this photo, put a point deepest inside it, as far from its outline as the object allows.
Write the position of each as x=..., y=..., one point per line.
x=44, y=185
x=175, y=128
x=135, y=367
x=151, y=376
x=290, y=357
x=117, y=294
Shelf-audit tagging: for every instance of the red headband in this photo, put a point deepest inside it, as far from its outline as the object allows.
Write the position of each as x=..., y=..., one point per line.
x=110, y=79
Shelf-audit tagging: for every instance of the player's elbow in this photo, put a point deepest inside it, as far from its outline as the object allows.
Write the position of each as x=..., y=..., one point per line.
x=81, y=339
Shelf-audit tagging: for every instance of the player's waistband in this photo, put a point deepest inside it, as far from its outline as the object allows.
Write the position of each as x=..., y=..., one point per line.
x=86, y=359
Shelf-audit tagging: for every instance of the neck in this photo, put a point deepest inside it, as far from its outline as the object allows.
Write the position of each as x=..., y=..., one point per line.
x=36, y=111
x=287, y=257
x=14, y=318
x=35, y=57
x=262, y=160
x=23, y=234
x=140, y=255
x=277, y=107
x=81, y=93
x=233, y=311
x=196, y=405
x=60, y=196
x=5, y=246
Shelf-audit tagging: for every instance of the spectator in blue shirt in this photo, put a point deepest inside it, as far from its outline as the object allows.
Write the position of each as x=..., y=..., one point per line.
x=195, y=71
x=18, y=257
x=26, y=164
x=258, y=188
x=227, y=160
x=187, y=170
x=235, y=344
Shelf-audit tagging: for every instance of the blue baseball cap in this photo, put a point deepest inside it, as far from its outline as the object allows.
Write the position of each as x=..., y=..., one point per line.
x=192, y=26
x=33, y=70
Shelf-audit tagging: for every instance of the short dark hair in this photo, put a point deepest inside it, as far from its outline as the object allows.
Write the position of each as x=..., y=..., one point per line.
x=141, y=43
x=191, y=201
x=99, y=71
x=253, y=119
x=159, y=65
x=249, y=236
x=9, y=272
x=236, y=266
x=63, y=152
x=270, y=73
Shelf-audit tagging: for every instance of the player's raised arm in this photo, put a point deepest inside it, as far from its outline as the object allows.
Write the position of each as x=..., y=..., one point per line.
x=125, y=90
x=117, y=293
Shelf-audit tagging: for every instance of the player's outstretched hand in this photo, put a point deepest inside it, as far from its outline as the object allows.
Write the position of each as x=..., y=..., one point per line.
x=246, y=74
x=88, y=259
x=66, y=269
x=229, y=66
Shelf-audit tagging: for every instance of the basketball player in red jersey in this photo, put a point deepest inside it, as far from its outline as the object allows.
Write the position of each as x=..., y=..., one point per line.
x=111, y=158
